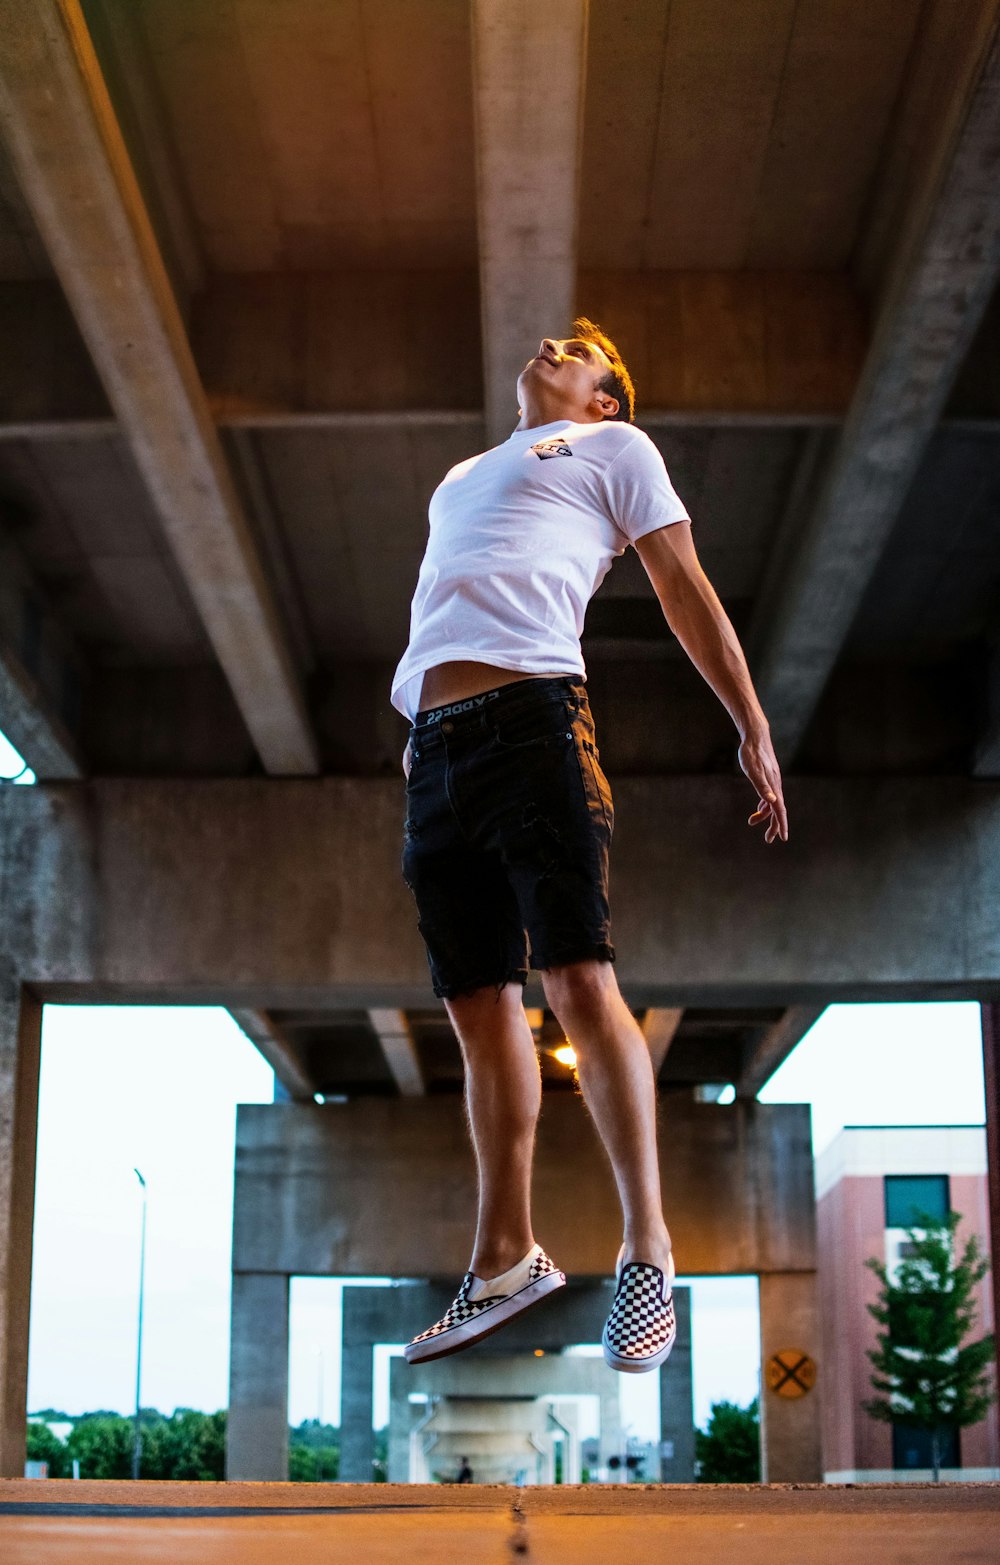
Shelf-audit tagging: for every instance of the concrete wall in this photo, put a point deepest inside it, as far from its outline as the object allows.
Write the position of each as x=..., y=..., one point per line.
x=259, y=891
x=387, y=1188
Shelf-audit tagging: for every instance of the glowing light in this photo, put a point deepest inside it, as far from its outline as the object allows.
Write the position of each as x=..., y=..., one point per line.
x=539, y=1353
x=566, y=1055
x=727, y=1095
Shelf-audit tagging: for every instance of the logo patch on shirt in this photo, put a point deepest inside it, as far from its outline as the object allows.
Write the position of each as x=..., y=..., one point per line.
x=555, y=447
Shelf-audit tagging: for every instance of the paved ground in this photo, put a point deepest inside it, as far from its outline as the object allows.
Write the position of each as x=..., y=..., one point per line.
x=277, y=1524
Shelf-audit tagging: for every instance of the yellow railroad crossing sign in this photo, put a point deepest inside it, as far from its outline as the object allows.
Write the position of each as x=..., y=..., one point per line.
x=791, y=1373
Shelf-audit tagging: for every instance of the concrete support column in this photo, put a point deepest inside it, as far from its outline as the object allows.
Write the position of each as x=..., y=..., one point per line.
x=357, y=1444
x=611, y=1425
x=20, y=1052
x=257, y=1434
x=991, y=1074
x=790, y=1426
x=677, y=1400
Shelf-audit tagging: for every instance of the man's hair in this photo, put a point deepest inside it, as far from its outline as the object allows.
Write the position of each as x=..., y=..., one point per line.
x=617, y=381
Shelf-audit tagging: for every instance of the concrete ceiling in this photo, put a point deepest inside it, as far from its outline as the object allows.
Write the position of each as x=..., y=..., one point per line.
x=412, y=1053
x=326, y=190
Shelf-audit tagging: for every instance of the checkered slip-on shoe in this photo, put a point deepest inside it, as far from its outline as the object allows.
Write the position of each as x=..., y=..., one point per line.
x=640, y=1331
x=483, y=1306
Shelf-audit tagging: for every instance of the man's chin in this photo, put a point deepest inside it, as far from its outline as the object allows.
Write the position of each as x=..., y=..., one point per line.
x=533, y=370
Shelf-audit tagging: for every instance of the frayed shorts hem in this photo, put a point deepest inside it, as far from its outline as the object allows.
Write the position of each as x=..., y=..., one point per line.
x=460, y=991
x=601, y=951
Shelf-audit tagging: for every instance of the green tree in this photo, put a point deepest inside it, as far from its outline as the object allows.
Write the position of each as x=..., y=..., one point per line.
x=727, y=1450
x=313, y=1452
x=927, y=1376
x=189, y=1444
x=102, y=1442
x=44, y=1446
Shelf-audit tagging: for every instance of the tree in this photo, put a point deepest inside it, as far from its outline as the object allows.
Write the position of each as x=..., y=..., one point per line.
x=728, y=1449
x=189, y=1444
x=380, y=1461
x=103, y=1444
x=927, y=1377
x=44, y=1446
x=313, y=1452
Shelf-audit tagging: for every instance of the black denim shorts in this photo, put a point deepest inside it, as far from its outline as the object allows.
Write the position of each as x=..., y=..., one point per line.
x=508, y=825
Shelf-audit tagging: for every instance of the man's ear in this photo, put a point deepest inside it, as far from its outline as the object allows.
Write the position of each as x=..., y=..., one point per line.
x=606, y=404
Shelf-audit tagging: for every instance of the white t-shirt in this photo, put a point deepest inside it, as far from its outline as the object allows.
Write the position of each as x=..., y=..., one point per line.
x=521, y=537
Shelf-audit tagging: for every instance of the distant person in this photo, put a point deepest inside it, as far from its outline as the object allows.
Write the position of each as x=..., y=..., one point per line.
x=465, y=1474
x=509, y=815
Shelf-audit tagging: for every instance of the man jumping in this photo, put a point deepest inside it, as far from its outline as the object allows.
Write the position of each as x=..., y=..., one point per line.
x=509, y=815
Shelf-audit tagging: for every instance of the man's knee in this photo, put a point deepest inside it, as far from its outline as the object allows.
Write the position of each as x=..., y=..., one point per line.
x=481, y=1012
x=580, y=988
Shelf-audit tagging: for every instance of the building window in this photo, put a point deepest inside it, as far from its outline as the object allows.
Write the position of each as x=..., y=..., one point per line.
x=911, y=1448
x=910, y=1196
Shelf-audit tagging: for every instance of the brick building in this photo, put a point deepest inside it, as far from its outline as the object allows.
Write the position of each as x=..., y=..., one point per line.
x=869, y=1184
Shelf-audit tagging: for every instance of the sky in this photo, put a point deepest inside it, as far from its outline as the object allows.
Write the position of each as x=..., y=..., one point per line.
x=157, y=1089
x=12, y=766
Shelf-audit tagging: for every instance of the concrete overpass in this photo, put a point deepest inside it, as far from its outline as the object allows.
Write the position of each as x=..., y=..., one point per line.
x=265, y=272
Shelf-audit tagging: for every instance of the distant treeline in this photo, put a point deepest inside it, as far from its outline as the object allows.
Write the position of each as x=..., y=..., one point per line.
x=187, y=1444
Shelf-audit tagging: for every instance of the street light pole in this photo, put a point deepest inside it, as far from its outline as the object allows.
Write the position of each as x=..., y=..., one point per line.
x=137, y=1437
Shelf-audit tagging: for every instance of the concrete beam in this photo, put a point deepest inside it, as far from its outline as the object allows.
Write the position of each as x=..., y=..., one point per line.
x=946, y=269
x=73, y=167
x=394, y=1035
x=42, y=675
x=278, y=1050
x=528, y=72
x=659, y=1027
x=310, y=1178
x=118, y=31
x=104, y=892
x=774, y=1048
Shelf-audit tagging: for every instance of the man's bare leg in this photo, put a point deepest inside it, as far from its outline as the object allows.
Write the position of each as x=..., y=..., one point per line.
x=616, y=1076
x=503, y=1095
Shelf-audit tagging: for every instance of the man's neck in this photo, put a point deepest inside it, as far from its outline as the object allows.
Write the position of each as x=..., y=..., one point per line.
x=535, y=417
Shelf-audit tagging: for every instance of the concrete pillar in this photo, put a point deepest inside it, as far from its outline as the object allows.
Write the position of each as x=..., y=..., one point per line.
x=257, y=1436
x=991, y=1073
x=611, y=1424
x=677, y=1400
x=20, y=1052
x=790, y=1426
x=403, y=1416
x=357, y=1445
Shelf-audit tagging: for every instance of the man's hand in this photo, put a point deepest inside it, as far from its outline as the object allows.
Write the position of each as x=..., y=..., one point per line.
x=406, y=760
x=758, y=760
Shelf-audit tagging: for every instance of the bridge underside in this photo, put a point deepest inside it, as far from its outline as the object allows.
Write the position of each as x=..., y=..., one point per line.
x=266, y=272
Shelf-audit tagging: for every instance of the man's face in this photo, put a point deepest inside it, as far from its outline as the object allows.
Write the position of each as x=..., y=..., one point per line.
x=570, y=367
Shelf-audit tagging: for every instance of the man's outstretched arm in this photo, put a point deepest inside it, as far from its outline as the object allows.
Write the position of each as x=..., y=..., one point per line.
x=703, y=628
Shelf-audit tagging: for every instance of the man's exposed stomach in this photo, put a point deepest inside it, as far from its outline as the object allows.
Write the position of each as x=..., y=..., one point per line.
x=449, y=682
